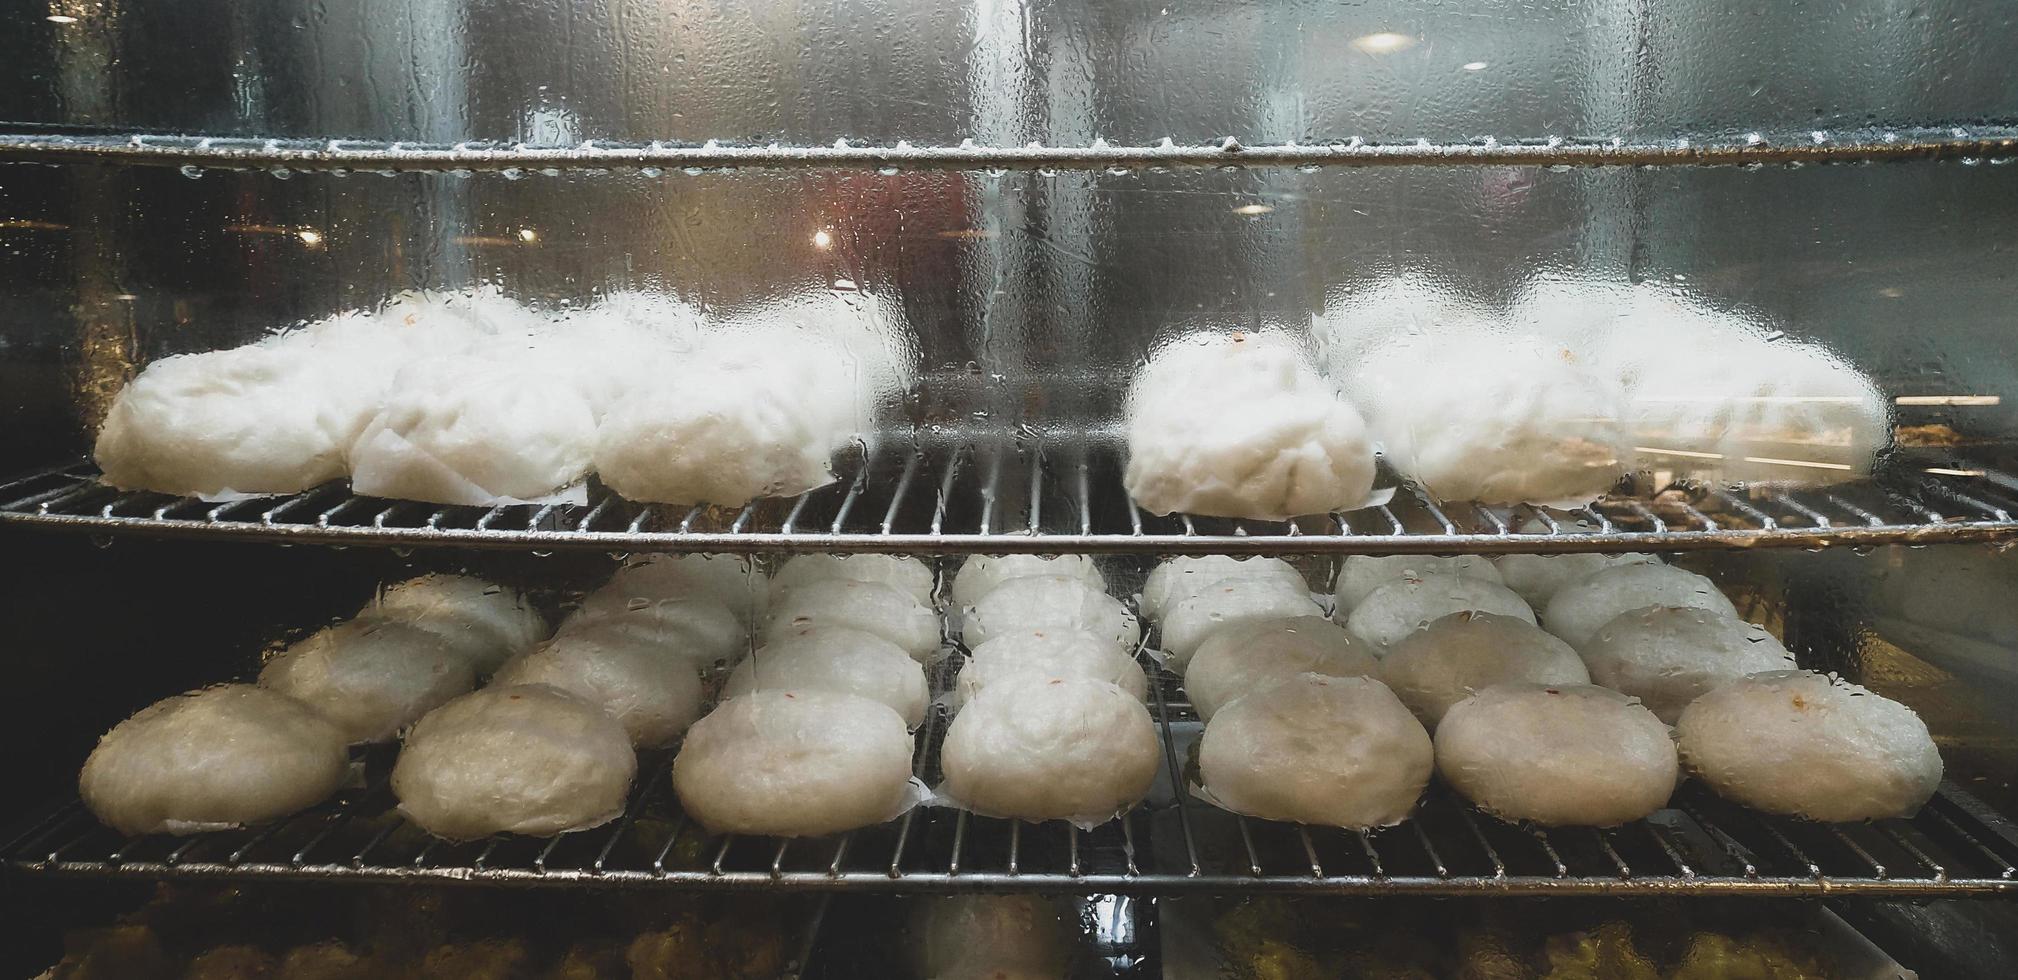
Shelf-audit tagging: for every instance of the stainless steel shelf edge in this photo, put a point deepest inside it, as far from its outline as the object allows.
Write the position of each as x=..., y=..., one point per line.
x=1986, y=142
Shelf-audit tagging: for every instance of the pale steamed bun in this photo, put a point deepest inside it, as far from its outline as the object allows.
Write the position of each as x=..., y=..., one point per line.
x=1462, y=653
x=901, y=572
x=1397, y=609
x=731, y=579
x=1235, y=424
x=1052, y=602
x=220, y=757
x=1181, y=578
x=839, y=659
x=370, y=679
x=1359, y=575
x=1579, y=608
x=1668, y=656
x=1802, y=743
x=1049, y=653
x=1225, y=604
x=1560, y=755
x=871, y=607
x=1247, y=657
x=485, y=622
x=1536, y=578
x=523, y=759
x=1319, y=750
x=1036, y=749
x=654, y=693
x=697, y=629
x=980, y=574
x=794, y=764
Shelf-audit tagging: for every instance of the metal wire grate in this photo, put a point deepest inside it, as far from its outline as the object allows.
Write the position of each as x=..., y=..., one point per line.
x=1174, y=843
x=1012, y=496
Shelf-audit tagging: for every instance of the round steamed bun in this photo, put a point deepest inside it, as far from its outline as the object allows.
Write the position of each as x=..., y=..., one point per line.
x=523, y=759
x=370, y=679
x=839, y=659
x=485, y=622
x=1034, y=748
x=1250, y=656
x=1580, y=608
x=1463, y=653
x=1226, y=604
x=732, y=579
x=1560, y=755
x=1181, y=578
x=794, y=764
x=1361, y=574
x=1668, y=656
x=1320, y=750
x=1239, y=425
x=1052, y=602
x=901, y=572
x=980, y=574
x=871, y=607
x=220, y=757
x=257, y=419
x=698, y=628
x=654, y=694
x=1536, y=578
x=1399, y=608
x=1802, y=743
x=1047, y=654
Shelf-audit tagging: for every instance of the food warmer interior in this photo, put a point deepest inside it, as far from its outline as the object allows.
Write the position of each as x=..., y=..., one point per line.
x=1561, y=447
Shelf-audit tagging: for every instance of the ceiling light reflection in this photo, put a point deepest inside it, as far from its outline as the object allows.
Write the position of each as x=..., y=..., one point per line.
x=822, y=239
x=1253, y=209
x=1383, y=42
x=1474, y=66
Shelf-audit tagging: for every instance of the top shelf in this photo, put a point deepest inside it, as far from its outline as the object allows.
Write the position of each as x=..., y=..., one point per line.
x=1974, y=143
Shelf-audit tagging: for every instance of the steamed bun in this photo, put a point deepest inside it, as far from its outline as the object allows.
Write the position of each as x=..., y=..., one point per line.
x=1052, y=602
x=220, y=757
x=1561, y=755
x=732, y=580
x=698, y=629
x=871, y=607
x=1060, y=748
x=1801, y=743
x=980, y=574
x=1049, y=653
x=1223, y=605
x=370, y=679
x=840, y=659
x=901, y=572
x=1247, y=657
x=1359, y=575
x=1667, y=656
x=521, y=759
x=485, y=622
x=1397, y=609
x=1536, y=578
x=654, y=693
x=1319, y=750
x=1181, y=578
x=1463, y=653
x=794, y=764
x=1580, y=608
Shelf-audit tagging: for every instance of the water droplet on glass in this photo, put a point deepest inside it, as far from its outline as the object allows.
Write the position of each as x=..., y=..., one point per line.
x=192, y=171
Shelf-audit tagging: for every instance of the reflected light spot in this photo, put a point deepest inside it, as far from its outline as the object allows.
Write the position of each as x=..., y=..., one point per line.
x=1656, y=451
x=822, y=239
x=1948, y=400
x=528, y=235
x=1811, y=464
x=1384, y=42
x=1474, y=66
x=1253, y=209
x=60, y=19
x=309, y=237
x=1938, y=471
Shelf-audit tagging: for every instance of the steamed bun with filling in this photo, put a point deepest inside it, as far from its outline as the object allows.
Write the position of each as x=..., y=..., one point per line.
x=1560, y=755
x=1580, y=608
x=1057, y=748
x=697, y=629
x=901, y=572
x=220, y=757
x=871, y=607
x=1048, y=603
x=485, y=622
x=655, y=694
x=1181, y=578
x=1236, y=424
x=1537, y=578
x=370, y=679
x=520, y=759
x=839, y=659
x=794, y=764
x=1359, y=575
x=1049, y=653
x=1316, y=749
x=1668, y=656
x=980, y=574
x=1240, y=659
x=1397, y=609
x=1463, y=653
x=1226, y=604
x=732, y=580
x=1801, y=743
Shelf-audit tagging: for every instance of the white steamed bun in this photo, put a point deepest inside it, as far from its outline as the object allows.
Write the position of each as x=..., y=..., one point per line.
x=1060, y=748
x=1051, y=602
x=980, y=574
x=1236, y=424
x=1225, y=604
x=794, y=764
x=521, y=759
x=1359, y=575
x=695, y=628
x=1181, y=578
x=370, y=679
x=1399, y=608
x=1802, y=743
x=625, y=344
x=1668, y=656
x=654, y=693
x=901, y=572
x=1319, y=750
x=220, y=757
x=1048, y=653
x=732, y=579
x=1252, y=655
x=871, y=607
x=1536, y=578
x=485, y=622
x=1560, y=755
x=1580, y=608
x=1463, y=653
x=840, y=659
